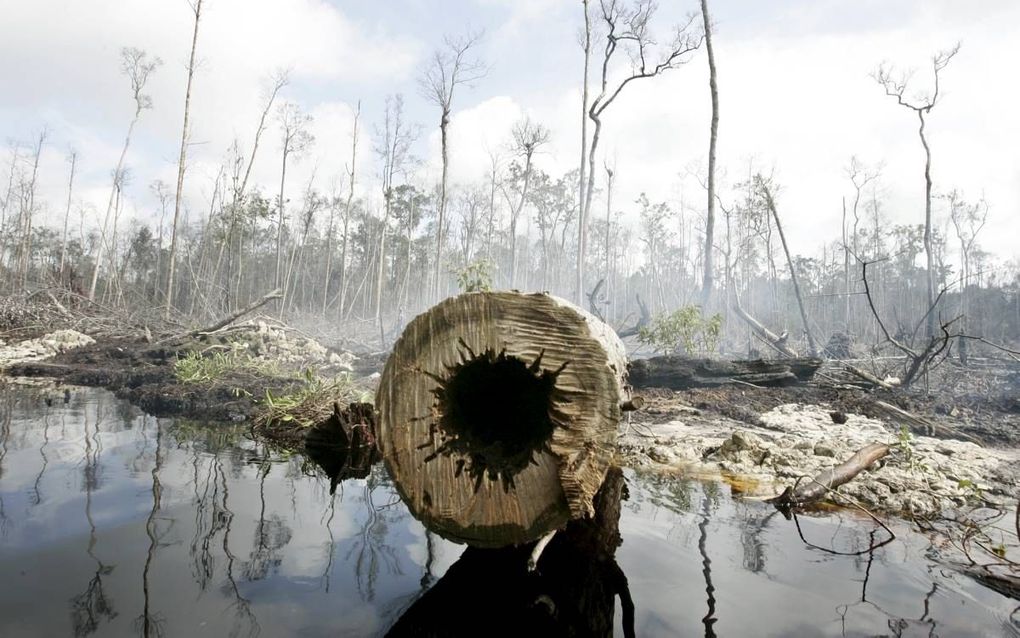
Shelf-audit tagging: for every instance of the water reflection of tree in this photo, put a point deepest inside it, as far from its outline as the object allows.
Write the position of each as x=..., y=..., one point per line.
x=709, y=503
x=243, y=614
x=6, y=413
x=753, y=522
x=92, y=606
x=369, y=550
x=866, y=557
x=271, y=535
x=150, y=623
x=36, y=494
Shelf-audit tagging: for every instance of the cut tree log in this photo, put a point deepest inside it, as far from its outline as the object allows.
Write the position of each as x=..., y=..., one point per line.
x=574, y=591
x=830, y=479
x=680, y=373
x=498, y=414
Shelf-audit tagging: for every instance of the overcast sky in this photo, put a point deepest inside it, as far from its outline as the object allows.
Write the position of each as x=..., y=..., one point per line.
x=794, y=86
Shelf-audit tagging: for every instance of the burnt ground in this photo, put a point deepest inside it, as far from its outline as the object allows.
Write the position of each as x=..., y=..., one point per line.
x=978, y=403
x=144, y=376
x=981, y=402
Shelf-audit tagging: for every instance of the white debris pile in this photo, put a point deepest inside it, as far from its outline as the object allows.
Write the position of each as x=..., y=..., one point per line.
x=42, y=347
x=921, y=476
x=287, y=348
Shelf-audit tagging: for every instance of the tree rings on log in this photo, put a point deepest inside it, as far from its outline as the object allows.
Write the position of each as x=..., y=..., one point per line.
x=498, y=415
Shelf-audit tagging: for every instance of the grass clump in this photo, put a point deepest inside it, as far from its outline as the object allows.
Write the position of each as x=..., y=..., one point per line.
x=310, y=402
x=207, y=366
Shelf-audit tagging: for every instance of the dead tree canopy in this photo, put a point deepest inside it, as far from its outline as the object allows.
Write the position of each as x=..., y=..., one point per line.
x=498, y=414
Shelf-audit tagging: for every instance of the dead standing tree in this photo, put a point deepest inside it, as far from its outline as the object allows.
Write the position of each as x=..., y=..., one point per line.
x=296, y=139
x=706, y=289
x=968, y=220
x=628, y=28
x=918, y=360
x=394, y=149
x=921, y=104
x=528, y=137
x=451, y=66
x=135, y=64
x=764, y=189
x=196, y=8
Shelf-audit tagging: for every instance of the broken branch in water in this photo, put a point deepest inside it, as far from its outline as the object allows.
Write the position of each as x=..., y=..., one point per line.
x=830, y=479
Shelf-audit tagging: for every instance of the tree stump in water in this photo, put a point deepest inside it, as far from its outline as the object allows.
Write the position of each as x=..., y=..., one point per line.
x=498, y=414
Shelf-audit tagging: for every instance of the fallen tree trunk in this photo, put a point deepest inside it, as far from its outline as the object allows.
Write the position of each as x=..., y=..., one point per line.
x=680, y=373
x=917, y=424
x=779, y=342
x=867, y=376
x=830, y=479
x=226, y=321
x=498, y=414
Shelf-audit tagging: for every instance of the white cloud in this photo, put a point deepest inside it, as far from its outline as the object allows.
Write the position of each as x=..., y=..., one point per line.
x=795, y=93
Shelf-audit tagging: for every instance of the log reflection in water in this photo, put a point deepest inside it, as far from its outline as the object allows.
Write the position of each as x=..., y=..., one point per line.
x=573, y=592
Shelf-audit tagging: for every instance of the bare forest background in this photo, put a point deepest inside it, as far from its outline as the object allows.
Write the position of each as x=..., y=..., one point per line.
x=355, y=259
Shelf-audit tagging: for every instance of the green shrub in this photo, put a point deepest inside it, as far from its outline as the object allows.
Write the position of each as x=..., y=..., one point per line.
x=684, y=331
x=475, y=277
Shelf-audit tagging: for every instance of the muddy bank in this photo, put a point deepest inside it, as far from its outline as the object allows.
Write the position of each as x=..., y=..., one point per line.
x=234, y=375
x=764, y=441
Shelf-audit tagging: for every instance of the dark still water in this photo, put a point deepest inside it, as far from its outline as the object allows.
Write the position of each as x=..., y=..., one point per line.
x=113, y=523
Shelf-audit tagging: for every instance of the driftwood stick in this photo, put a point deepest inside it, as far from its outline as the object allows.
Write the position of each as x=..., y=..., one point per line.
x=226, y=321
x=831, y=478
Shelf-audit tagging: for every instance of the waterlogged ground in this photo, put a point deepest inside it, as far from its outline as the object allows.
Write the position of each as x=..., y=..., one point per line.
x=114, y=523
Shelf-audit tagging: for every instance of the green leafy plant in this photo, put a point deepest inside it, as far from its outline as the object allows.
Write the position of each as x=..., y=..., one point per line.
x=310, y=402
x=685, y=330
x=475, y=277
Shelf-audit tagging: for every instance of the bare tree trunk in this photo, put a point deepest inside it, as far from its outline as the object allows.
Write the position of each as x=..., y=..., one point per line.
x=582, y=186
x=197, y=8
x=928, y=248
x=26, y=242
x=109, y=206
x=609, y=214
x=329, y=253
x=846, y=274
x=706, y=290
x=582, y=220
x=443, y=130
x=279, y=220
x=347, y=213
x=67, y=215
x=793, y=271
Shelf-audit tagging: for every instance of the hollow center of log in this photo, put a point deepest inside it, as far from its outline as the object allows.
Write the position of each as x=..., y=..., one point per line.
x=497, y=409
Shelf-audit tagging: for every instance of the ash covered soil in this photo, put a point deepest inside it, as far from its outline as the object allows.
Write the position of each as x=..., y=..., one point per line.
x=763, y=439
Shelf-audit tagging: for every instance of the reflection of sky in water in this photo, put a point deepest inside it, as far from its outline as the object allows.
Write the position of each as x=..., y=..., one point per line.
x=241, y=543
